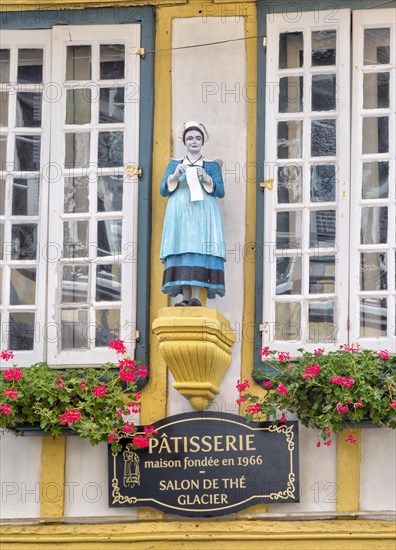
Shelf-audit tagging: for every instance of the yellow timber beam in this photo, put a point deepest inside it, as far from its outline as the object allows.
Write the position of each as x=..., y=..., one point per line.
x=211, y=535
x=52, y=477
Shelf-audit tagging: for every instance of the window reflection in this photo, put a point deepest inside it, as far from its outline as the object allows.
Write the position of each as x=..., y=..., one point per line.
x=23, y=286
x=373, y=317
x=4, y=66
x=22, y=331
x=30, y=65
x=107, y=326
x=74, y=328
x=27, y=153
x=288, y=275
x=25, y=197
x=78, y=63
x=376, y=46
x=322, y=228
x=111, y=105
x=28, y=109
x=324, y=47
x=112, y=61
x=291, y=50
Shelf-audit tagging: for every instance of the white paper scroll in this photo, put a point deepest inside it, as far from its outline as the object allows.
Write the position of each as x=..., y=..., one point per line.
x=196, y=193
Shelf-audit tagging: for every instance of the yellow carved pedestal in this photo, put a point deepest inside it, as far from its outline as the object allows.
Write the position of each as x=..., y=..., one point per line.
x=195, y=343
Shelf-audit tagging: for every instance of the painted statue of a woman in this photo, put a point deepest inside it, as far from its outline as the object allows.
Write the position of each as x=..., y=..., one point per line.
x=193, y=245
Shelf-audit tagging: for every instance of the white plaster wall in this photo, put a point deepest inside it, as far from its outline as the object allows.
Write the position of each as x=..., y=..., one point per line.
x=318, y=476
x=206, y=87
x=378, y=470
x=86, y=493
x=20, y=459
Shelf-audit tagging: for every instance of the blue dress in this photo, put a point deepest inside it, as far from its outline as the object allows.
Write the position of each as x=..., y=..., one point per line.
x=193, y=245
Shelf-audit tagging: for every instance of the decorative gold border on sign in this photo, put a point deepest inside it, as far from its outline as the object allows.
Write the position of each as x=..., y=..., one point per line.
x=289, y=492
x=116, y=493
x=291, y=489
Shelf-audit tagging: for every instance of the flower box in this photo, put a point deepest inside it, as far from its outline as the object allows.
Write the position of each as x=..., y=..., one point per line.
x=94, y=403
x=350, y=387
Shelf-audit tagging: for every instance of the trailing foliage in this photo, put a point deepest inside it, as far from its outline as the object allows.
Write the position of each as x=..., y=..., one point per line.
x=95, y=403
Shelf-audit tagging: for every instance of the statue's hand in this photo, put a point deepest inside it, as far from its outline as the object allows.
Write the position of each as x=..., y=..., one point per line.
x=181, y=168
x=200, y=171
x=177, y=173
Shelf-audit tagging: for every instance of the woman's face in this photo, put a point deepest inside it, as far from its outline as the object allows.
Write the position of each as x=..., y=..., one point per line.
x=193, y=141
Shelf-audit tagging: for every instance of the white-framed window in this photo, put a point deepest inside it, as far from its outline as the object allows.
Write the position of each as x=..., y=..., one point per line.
x=373, y=194
x=329, y=227
x=69, y=206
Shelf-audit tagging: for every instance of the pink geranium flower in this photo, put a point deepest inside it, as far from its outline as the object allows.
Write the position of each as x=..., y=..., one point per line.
x=7, y=354
x=118, y=346
x=100, y=391
x=282, y=389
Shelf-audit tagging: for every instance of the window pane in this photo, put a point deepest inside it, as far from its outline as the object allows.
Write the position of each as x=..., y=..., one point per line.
x=110, y=190
x=374, y=229
x=2, y=196
x=373, y=271
x=3, y=152
x=323, y=183
x=324, y=92
x=107, y=326
x=74, y=328
x=376, y=46
x=28, y=109
x=323, y=138
x=287, y=321
x=375, y=180
x=109, y=237
x=376, y=90
x=288, y=275
x=76, y=195
x=30, y=66
x=112, y=61
x=321, y=274
x=289, y=139
x=322, y=230
x=23, y=286
x=111, y=105
x=78, y=106
x=1, y=240
x=27, y=153
x=3, y=108
x=78, y=63
x=77, y=153
x=289, y=184
x=373, y=315
x=375, y=135
x=110, y=149
x=24, y=241
x=25, y=197
x=288, y=230
x=21, y=327
x=324, y=47
x=75, y=283
x=291, y=94
x=108, y=282
x=75, y=239
x=4, y=66
x=321, y=322
x=291, y=50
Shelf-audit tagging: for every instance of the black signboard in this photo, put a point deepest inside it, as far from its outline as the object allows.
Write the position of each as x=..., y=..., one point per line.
x=207, y=464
